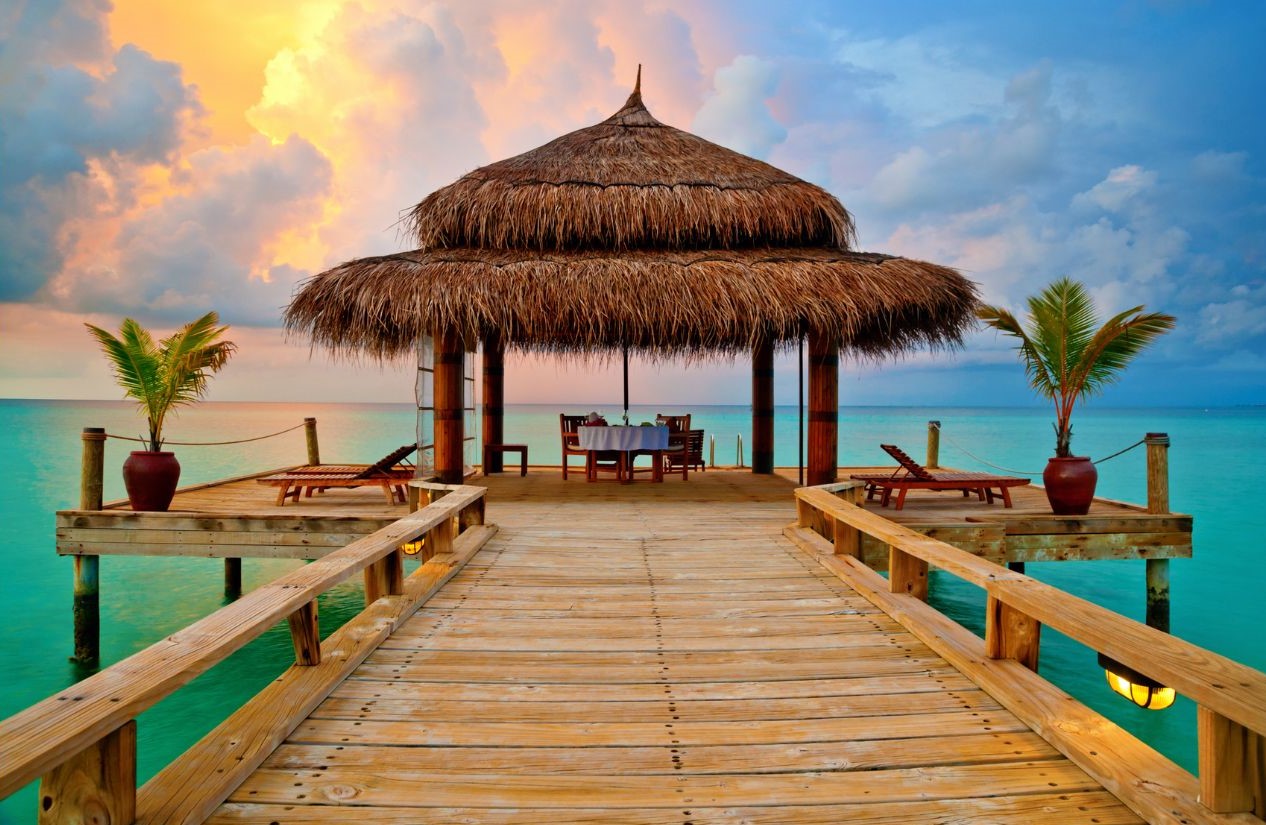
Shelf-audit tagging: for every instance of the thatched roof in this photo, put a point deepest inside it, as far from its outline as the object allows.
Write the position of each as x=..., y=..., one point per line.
x=688, y=302
x=633, y=233
x=630, y=182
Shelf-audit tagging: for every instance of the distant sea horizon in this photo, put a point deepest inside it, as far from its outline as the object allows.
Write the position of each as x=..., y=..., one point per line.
x=1215, y=454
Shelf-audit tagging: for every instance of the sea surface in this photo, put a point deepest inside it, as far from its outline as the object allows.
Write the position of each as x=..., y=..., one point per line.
x=1215, y=459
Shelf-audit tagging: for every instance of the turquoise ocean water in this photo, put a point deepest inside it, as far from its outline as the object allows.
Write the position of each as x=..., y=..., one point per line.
x=1214, y=460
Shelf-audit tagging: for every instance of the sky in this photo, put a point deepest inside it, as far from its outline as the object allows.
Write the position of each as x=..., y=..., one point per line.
x=159, y=160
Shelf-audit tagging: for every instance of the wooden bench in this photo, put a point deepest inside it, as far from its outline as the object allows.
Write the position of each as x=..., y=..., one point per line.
x=502, y=449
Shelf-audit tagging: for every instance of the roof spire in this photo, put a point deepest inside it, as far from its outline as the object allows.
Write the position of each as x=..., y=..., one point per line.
x=637, y=85
x=633, y=112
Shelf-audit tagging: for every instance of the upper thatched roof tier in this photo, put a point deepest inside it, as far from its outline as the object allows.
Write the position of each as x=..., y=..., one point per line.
x=694, y=303
x=630, y=182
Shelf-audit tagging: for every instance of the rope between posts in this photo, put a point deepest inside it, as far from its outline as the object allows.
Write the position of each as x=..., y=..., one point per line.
x=207, y=443
x=963, y=449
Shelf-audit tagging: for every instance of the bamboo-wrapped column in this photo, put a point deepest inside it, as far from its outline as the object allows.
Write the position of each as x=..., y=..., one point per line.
x=763, y=407
x=450, y=353
x=494, y=397
x=824, y=407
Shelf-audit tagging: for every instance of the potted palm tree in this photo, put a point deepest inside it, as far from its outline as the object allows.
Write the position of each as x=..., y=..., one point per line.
x=1068, y=355
x=161, y=377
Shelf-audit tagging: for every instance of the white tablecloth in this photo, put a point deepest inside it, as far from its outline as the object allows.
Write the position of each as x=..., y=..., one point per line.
x=623, y=438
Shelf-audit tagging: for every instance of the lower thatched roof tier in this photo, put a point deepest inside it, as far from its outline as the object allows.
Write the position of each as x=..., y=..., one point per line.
x=697, y=304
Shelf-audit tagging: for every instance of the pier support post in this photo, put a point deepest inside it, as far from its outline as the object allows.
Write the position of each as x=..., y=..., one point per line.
x=232, y=578
x=1157, y=502
x=934, y=445
x=494, y=396
x=87, y=595
x=763, y=407
x=314, y=450
x=824, y=408
x=450, y=355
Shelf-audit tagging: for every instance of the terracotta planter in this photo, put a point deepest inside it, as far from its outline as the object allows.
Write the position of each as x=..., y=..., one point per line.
x=151, y=479
x=1070, y=485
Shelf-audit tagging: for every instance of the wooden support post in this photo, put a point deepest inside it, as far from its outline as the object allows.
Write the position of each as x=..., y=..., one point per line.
x=824, y=408
x=763, y=407
x=385, y=577
x=96, y=785
x=86, y=607
x=1010, y=634
x=314, y=450
x=934, y=445
x=494, y=396
x=907, y=574
x=1232, y=765
x=1157, y=502
x=450, y=355
x=472, y=514
x=848, y=539
x=232, y=578
x=305, y=632
x=439, y=539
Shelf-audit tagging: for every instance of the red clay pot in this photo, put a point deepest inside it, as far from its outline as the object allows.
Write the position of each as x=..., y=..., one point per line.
x=1070, y=485
x=151, y=479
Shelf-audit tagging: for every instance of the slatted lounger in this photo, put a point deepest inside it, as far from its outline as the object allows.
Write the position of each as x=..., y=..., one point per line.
x=912, y=475
x=385, y=472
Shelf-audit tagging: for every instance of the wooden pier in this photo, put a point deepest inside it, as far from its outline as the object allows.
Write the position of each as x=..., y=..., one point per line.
x=715, y=650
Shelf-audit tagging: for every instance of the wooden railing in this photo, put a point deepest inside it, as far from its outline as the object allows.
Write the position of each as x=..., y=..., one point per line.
x=1231, y=697
x=82, y=741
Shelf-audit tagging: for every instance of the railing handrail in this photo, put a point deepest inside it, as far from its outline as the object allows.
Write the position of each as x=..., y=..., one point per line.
x=42, y=736
x=1222, y=685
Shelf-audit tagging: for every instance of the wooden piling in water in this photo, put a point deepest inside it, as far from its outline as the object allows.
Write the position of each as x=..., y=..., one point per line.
x=87, y=594
x=1157, y=502
x=232, y=578
x=934, y=445
x=314, y=450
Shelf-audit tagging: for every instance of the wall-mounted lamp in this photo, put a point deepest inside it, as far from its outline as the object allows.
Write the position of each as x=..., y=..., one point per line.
x=412, y=548
x=1139, y=689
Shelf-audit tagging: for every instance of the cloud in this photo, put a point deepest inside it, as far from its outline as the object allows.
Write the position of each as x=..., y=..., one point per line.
x=1122, y=187
x=68, y=104
x=736, y=115
x=1241, y=317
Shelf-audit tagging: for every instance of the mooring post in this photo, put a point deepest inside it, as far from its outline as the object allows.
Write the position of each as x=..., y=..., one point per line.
x=232, y=578
x=87, y=595
x=314, y=450
x=1157, y=502
x=934, y=445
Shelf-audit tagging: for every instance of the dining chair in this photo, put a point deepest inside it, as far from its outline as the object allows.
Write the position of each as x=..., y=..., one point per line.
x=569, y=429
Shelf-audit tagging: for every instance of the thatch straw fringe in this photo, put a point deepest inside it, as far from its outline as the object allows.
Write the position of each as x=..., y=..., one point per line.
x=715, y=303
x=630, y=182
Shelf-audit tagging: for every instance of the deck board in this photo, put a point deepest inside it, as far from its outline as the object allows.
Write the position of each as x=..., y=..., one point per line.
x=657, y=656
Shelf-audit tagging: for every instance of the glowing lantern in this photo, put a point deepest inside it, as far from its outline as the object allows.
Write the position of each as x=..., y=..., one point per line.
x=1139, y=689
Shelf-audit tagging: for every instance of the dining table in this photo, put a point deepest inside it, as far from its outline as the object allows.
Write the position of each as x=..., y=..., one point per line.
x=627, y=440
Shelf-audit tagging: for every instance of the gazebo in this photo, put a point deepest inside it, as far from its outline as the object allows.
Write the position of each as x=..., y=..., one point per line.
x=632, y=235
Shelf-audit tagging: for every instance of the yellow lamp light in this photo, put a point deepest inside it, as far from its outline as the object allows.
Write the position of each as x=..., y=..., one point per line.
x=412, y=548
x=1139, y=689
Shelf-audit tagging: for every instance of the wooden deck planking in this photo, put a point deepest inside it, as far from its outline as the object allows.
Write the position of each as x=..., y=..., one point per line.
x=618, y=657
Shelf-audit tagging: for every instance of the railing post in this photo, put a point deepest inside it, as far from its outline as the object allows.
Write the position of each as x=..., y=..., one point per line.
x=439, y=539
x=314, y=450
x=306, y=634
x=1232, y=769
x=1011, y=634
x=96, y=785
x=934, y=445
x=907, y=574
x=472, y=514
x=1157, y=502
x=86, y=607
x=848, y=539
x=385, y=577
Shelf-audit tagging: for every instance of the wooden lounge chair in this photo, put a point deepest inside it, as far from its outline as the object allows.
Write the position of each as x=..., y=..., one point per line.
x=911, y=475
x=385, y=472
